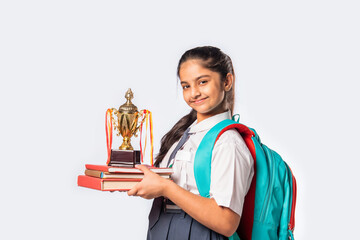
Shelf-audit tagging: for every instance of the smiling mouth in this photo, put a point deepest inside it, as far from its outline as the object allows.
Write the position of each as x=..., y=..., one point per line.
x=199, y=101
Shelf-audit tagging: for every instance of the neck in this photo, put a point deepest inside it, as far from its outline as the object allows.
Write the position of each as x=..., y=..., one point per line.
x=203, y=116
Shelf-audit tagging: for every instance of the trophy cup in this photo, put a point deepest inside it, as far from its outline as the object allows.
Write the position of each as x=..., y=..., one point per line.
x=127, y=124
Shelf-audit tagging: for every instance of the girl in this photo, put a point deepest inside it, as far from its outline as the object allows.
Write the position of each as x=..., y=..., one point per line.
x=179, y=212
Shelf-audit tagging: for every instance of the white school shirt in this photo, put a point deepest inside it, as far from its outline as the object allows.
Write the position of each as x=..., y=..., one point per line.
x=231, y=164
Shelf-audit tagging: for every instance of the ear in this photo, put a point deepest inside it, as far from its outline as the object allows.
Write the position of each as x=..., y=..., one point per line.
x=228, y=83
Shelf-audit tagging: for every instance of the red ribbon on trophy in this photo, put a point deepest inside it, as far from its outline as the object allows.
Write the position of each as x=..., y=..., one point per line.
x=148, y=119
x=108, y=130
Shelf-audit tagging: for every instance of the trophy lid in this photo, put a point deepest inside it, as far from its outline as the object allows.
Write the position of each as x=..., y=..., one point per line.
x=128, y=107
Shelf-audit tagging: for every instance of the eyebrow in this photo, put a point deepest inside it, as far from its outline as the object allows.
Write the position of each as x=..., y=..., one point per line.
x=196, y=79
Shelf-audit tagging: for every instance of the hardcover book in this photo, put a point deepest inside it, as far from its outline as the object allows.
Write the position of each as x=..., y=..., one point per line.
x=113, y=169
x=107, y=184
x=101, y=174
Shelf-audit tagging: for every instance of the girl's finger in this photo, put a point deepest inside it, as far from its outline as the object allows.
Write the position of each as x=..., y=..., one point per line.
x=143, y=168
x=133, y=191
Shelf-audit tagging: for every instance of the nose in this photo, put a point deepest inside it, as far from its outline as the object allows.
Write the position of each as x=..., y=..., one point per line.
x=195, y=92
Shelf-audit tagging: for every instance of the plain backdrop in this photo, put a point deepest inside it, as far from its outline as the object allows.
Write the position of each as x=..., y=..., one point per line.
x=63, y=63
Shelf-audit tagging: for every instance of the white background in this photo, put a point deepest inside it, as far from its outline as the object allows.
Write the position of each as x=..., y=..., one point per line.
x=63, y=63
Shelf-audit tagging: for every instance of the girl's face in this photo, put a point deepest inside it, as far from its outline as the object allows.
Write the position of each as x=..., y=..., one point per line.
x=203, y=89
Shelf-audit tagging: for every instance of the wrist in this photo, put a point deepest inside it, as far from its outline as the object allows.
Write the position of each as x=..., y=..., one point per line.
x=166, y=187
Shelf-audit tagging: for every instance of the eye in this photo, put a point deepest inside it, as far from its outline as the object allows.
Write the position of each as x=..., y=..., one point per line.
x=185, y=86
x=202, y=82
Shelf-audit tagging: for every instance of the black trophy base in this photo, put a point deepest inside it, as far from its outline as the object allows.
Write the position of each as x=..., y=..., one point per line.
x=124, y=158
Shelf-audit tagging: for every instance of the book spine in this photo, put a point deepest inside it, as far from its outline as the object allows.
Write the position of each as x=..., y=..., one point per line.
x=90, y=182
x=93, y=173
x=102, y=168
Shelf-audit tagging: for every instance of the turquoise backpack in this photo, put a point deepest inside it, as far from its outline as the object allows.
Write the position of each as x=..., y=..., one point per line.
x=269, y=208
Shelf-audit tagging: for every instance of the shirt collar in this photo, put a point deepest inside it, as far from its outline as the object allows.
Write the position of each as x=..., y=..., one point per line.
x=209, y=122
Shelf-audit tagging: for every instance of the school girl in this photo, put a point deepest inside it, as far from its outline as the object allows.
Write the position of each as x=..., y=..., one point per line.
x=179, y=212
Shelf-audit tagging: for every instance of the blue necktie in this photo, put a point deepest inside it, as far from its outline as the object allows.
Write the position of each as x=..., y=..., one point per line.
x=158, y=202
x=183, y=139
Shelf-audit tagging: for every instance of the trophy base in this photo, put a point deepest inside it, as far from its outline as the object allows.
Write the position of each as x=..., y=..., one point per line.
x=124, y=158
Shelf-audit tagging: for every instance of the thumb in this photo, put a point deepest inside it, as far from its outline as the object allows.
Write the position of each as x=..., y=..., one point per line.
x=133, y=191
x=143, y=168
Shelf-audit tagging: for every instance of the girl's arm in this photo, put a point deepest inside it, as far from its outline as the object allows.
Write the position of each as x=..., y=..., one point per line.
x=205, y=210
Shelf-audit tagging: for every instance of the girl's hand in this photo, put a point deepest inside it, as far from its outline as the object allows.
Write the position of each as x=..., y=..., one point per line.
x=151, y=186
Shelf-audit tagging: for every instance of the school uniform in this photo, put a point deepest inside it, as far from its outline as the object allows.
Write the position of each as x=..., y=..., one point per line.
x=231, y=174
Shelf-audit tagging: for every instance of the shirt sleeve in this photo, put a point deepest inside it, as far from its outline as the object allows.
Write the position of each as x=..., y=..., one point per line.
x=231, y=171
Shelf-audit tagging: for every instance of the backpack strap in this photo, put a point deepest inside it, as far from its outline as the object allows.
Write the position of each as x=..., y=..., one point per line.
x=203, y=156
x=292, y=206
x=202, y=169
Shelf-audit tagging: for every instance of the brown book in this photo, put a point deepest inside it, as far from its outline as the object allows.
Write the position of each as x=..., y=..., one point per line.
x=101, y=174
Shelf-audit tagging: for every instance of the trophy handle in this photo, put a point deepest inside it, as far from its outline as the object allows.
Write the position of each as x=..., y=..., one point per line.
x=114, y=122
x=143, y=118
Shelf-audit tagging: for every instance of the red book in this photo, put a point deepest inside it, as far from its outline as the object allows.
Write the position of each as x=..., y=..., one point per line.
x=112, y=169
x=101, y=184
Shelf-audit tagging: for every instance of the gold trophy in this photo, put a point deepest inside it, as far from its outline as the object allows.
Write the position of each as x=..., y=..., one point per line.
x=127, y=124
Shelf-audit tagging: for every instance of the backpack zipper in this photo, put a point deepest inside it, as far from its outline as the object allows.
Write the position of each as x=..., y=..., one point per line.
x=270, y=188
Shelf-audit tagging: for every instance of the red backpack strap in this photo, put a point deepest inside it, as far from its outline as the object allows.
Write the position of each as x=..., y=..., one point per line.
x=247, y=219
x=293, y=205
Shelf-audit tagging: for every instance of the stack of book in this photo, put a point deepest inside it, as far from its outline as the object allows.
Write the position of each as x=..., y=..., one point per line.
x=111, y=178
